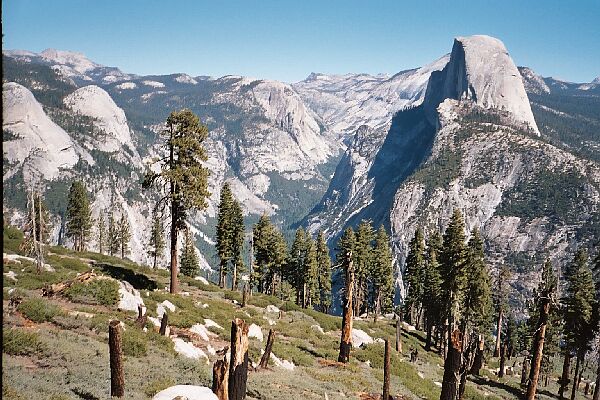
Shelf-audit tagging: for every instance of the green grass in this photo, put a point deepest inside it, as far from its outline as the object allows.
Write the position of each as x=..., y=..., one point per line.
x=39, y=310
x=17, y=341
x=135, y=343
x=99, y=291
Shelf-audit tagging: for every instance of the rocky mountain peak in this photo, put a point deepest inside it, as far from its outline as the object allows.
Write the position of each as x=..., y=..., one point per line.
x=78, y=61
x=480, y=69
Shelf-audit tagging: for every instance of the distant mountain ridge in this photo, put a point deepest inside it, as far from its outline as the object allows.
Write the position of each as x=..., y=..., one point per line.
x=406, y=148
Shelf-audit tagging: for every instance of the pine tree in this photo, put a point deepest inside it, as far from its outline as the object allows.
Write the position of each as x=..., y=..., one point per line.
x=579, y=313
x=311, y=277
x=224, y=232
x=124, y=234
x=324, y=272
x=475, y=305
x=363, y=260
x=101, y=232
x=297, y=263
x=382, y=274
x=183, y=180
x=453, y=261
x=237, y=242
x=501, y=303
x=414, y=276
x=113, y=240
x=156, y=243
x=262, y=235
x=345, y=248
x=432, y=286
x=544, y=303
x=79, y=216
x=189, y=259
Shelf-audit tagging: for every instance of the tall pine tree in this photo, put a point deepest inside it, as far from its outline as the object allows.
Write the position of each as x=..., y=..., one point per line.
x=363, y=260
x=156, y=242
x=183, y=180
x=101, y=236
x=432, y=286
x=79, y=216
x=414, y=276
x=124, y=234
x=324, y=272
x=189, y=259
x=113, y=240
x=382, y=274
x=224, y=232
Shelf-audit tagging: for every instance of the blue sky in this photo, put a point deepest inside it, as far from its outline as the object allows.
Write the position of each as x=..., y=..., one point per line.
x=286, y=40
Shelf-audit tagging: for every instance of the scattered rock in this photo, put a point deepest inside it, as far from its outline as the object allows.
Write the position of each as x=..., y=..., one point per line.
x=160, y=307
x=187, y=349
x=360, y=337
x=438, y=384
x=129, y=297
x=201, y=279
x=318, y=328
x=201, y=331
x=255, y=331
x=189, y=392
x=209, y=322
x=285, y=364
x=272, y=309
x=11, y=275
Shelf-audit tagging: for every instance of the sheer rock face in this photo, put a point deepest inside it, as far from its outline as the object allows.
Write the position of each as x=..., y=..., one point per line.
x=481, y=70
x=36, y=141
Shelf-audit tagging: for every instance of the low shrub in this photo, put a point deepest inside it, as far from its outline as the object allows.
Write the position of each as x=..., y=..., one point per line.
x=21, y=342
x=135, y=344
x=39, y=310
x=99, y=291
x=157, y=385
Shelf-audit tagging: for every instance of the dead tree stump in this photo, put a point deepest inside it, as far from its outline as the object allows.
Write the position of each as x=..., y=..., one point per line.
x=346, y=339
x=221, y=379
x=141, y=319
x=264, y=361
x=386, y=371
x=238, y=367
x=117, y=380
x=163, y=324
x=398, y=337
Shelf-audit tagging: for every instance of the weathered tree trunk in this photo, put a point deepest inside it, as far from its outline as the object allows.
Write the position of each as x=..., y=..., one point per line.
x=429, y=335
x=502, y=360
x=451, y=381
x=386, y=371
x=234, y=277
x=564, y=379
x=164, y=324
x=264, y=361
x=587, y=388
x=173, y=287
x=117, y=380
x=238, y=367
x=221, y=379
x=141, y=319
x=245, y=295
x=398, y=336
x=377, y=306
x=525, y=371
x=575, y=380
x=222, y=274
x=346, y=339
x=478, y=362
x=538, y=351
x=498, y=333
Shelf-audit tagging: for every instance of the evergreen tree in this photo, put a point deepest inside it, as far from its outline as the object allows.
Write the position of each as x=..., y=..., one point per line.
x=324, y=272
x=501, y=303
x=124, y=234
x=579, y=312
x=453, y=261
x=224, y=232
x=432, y=286
x=311, y=276
x=414, y=276
x=270, y=255
x=538, y=322
x=363, y=260
x=189, y=259
x=79, y=216
x=344, y=249
x=156, y=244
x=297, y=264
x=101, y=233
x=113, y=240
x=183, y=179
x=237, y=242
x=382, y=274
x=476, y=303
